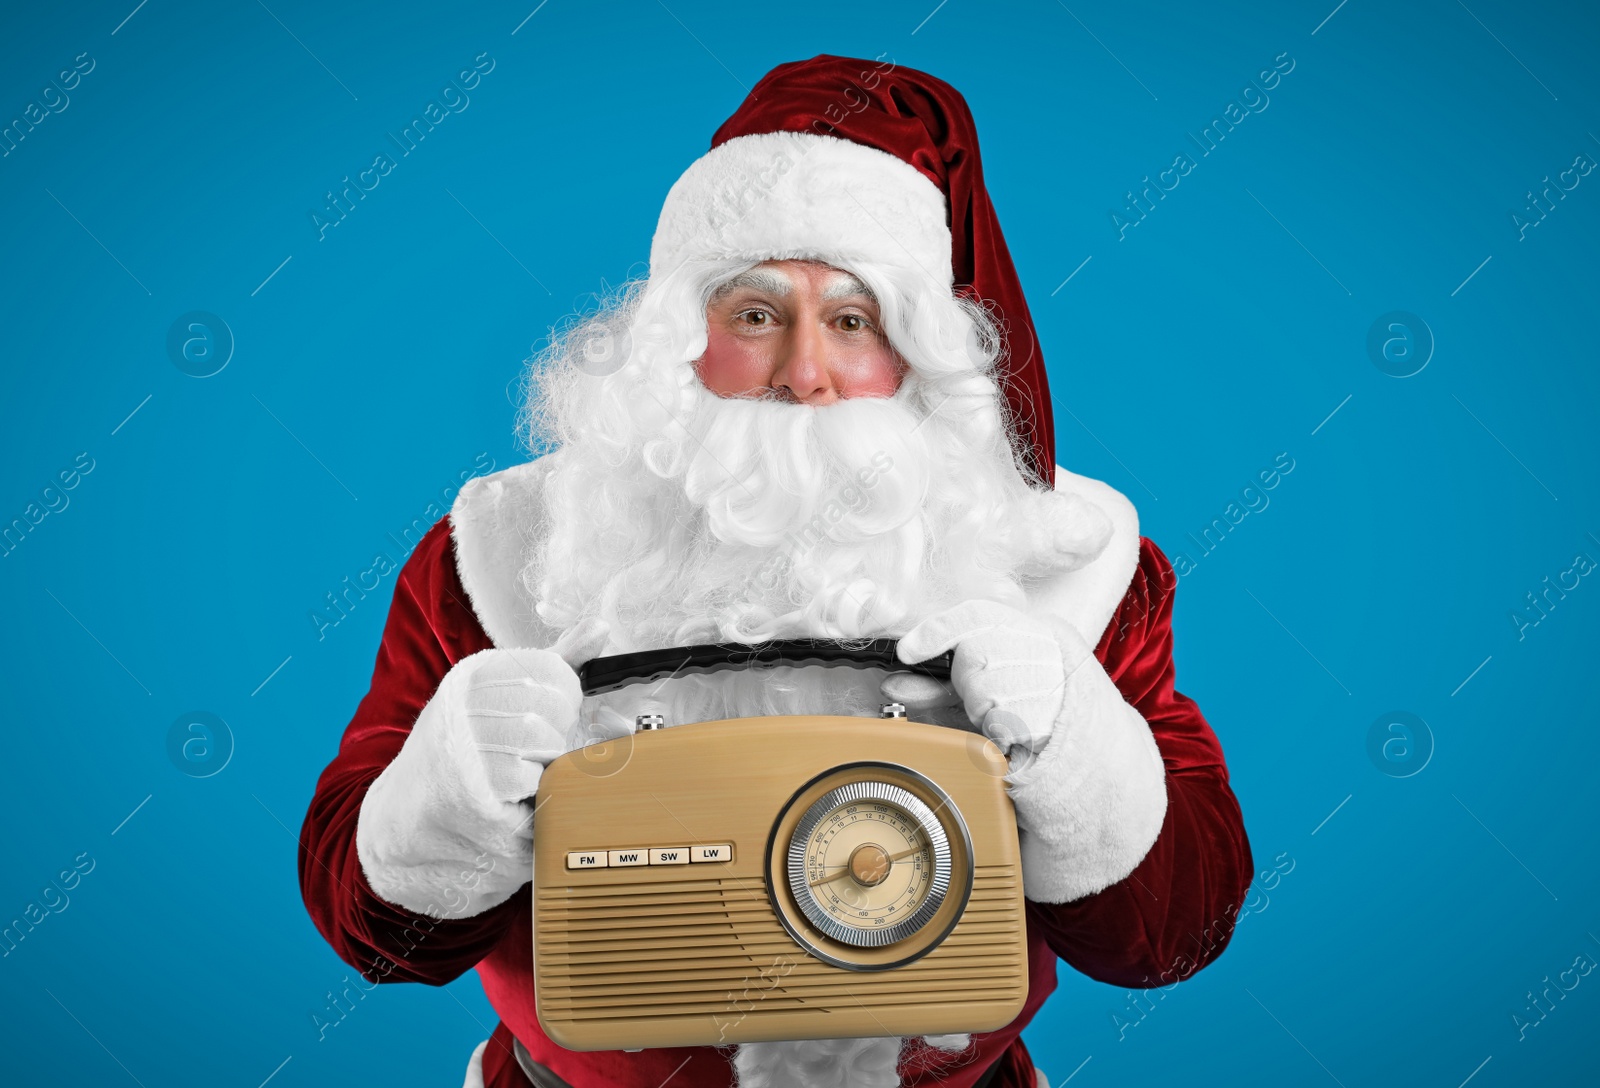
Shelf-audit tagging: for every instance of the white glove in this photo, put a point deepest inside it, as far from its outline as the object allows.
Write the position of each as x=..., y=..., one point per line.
x=1009, y=669
x=1087, y=779
x=518, y=711
x=446, y=830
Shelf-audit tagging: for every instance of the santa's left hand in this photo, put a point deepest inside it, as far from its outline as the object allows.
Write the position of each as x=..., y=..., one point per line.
x=1086, y=777
x=1010, y=669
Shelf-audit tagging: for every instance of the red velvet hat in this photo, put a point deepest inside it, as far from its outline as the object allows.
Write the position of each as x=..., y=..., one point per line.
x=834, y=158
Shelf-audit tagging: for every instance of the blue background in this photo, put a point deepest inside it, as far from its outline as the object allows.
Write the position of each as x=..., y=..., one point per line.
x=1409, y=916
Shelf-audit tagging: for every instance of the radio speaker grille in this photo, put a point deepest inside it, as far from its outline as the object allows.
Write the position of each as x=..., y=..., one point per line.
x=694, y=948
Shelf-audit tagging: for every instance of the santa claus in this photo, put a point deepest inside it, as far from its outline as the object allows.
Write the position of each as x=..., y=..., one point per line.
x=824, y=414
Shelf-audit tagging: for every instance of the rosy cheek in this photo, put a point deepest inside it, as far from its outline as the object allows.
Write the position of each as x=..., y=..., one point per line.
x=732, y=366
x=876, y=374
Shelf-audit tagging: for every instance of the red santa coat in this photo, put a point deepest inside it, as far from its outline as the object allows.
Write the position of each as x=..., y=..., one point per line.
x=1167, y=919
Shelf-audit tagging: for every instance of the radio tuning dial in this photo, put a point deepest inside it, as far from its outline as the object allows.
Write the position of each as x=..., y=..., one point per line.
x=869, y=864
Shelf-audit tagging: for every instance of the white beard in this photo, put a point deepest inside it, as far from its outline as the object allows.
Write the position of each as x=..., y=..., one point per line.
x=753, y=520
x=832, y=1063
x=679, y=517
x=819, y=1063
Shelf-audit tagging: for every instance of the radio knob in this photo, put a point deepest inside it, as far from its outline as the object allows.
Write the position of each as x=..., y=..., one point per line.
x=650, y=721
x=892, y=710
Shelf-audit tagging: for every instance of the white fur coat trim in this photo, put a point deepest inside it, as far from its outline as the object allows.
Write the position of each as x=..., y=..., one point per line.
x=790, y=195
x=493, y=515
x=491, y=524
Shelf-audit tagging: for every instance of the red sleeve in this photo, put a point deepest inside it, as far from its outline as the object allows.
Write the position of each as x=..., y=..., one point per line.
x=1175, y=912
x=431, y=626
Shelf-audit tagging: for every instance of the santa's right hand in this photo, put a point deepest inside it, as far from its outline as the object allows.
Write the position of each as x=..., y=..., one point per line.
x=445, y=829
x=519, y=706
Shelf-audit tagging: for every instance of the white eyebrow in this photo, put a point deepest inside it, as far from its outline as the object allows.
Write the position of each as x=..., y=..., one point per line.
x=845, y=285
x=758, y=279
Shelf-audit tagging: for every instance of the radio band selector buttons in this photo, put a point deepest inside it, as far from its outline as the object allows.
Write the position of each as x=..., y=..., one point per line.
x=649, y=855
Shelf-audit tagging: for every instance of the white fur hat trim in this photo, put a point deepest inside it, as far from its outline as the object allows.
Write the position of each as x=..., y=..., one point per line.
x=800, y=195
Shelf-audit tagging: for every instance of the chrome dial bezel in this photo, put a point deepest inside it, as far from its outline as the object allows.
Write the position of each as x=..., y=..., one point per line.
x=869, y=791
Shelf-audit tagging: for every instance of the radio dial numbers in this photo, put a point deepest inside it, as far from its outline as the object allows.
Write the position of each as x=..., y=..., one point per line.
x=869, y=864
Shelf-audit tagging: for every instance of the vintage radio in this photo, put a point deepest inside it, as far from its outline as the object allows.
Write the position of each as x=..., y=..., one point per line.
x=775, y=878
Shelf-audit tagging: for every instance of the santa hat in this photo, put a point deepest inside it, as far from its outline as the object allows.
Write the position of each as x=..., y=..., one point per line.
x=847, y=160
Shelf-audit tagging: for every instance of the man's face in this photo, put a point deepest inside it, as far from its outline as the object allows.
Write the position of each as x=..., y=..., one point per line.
x=799, y=330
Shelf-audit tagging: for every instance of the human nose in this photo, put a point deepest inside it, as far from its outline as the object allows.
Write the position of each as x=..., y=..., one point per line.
x=803, y=366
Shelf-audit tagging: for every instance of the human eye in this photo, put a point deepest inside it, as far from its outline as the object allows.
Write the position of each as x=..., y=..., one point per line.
x=853, y=322
x=754, y=317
